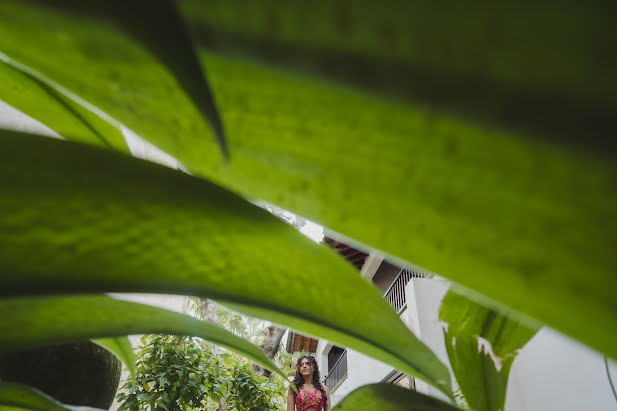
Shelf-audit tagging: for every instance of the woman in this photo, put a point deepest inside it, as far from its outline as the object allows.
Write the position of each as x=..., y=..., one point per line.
x=312, y=395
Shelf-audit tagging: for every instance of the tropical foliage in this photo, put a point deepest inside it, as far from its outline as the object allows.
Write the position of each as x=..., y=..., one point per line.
x=250, y=391
x=482, y=344
x=182, y=373
x=468, y=143
x=244, y=326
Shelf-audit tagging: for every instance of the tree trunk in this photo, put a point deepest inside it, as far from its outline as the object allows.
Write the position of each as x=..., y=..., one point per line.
x=270, y=346
x=207, y=310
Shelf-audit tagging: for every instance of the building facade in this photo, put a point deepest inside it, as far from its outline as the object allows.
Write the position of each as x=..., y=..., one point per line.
x=551, y=373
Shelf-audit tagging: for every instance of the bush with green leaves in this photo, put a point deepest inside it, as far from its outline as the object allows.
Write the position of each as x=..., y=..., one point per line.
x=249, y=391
x=451, y=137
x=173, y=372
x=180, y=372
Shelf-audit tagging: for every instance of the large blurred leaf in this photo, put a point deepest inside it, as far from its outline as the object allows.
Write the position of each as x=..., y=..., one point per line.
x=481, y=369
x=512, y=63
x=154, y=24
x=38, y=321
x=122, y=348
x=75, y=218
x=389, y=397
x=17, y=396
x=514, y=218
x=521, y=217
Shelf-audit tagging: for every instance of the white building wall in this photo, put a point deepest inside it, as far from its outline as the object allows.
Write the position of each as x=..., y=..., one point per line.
x=424, y=297
x=556, y=373
x=361, y=369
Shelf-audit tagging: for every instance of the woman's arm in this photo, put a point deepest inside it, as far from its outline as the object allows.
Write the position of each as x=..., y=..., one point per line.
x=328, y=403
x=291, y=403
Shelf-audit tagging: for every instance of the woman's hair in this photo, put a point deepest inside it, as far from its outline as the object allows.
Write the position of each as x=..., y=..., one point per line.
x=298, y=380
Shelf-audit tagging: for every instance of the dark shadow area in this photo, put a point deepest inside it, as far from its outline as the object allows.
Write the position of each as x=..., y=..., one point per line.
x=558, y=118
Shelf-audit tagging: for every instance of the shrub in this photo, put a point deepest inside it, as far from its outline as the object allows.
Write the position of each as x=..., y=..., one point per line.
x=180, y=372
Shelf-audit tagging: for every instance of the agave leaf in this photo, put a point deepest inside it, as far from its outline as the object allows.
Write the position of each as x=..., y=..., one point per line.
x=389, y=397
x=18, y=396
x=103, y=222
x=159, y=31
x=52, y=320
x=482, y=373
x=51, y=104
x=122, y=348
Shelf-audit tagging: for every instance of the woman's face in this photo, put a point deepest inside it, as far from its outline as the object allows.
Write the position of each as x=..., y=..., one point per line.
x=305, y=367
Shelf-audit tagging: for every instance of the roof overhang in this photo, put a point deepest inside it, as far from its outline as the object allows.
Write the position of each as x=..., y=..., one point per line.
x=298, y=342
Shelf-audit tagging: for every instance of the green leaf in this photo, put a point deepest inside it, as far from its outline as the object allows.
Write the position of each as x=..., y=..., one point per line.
x=159, y=31
x=482, y=373
x=514, y=215
x=78, y=317
x=476, y=61
x=24, y=397
x=67, y=114
x=122, y=348
x=513, y=218
x=102, y=221
x=389, y=397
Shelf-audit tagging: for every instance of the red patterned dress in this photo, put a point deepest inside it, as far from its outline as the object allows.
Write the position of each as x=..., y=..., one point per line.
x=306, y=399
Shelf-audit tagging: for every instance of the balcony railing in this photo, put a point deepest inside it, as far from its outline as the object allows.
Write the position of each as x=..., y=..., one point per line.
x=396, y=292
x=338, y=372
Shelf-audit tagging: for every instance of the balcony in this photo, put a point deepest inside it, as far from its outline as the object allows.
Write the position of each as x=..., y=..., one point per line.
x=395, y=294
x=337, y=373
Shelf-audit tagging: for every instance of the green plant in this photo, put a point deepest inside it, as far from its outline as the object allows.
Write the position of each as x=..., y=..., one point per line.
x=172, y=373
x=287, y=361
x=459, y=173
x=249, y=391
x=482, y=344
x=182, y=373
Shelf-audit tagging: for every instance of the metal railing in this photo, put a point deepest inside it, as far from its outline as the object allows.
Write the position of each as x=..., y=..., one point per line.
x=338, y=372
x=396, y=292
